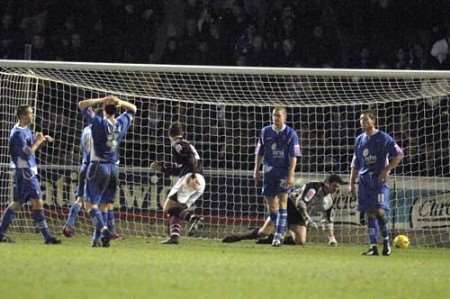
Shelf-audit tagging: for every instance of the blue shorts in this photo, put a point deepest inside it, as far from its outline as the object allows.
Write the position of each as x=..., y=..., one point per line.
x=274, y=182
x=101, y=182
x=26, y=185
x=372, y=194
x=81, y=181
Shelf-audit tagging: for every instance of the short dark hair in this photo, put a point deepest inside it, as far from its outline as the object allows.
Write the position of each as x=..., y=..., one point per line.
x=371, y=114
x=334, y=178
x=110, y=109
x=22, y=110
x=175, y=130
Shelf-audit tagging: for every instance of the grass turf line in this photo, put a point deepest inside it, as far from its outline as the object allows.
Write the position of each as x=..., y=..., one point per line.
x=142, y=268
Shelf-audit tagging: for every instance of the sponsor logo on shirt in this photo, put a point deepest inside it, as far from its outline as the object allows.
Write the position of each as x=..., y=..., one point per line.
x=368, y=158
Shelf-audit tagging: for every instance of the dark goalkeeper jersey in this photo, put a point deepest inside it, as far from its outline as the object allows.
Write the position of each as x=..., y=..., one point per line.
x=185, y=159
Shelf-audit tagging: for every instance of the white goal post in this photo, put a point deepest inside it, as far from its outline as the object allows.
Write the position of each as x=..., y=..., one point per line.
x=222, y=110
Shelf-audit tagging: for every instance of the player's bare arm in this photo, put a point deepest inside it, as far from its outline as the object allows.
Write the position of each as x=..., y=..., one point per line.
x=393, y=163
x=92, y=102
x=256, y=171
x=291, y=174
x=40, y=139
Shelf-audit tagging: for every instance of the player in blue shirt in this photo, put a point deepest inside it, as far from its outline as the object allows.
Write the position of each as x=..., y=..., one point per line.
x=22, y=146
x=376, y=155
x=85, y=145
x=278, y=148
x=102, y=174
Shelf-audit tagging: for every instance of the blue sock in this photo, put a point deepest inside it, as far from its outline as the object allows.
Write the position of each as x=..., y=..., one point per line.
x=105, y=217
x=73, y=214
x=39, y=217
x=96, y=234
x=8, y=216
x=281, y=223
x=373, y=230
x=273, y=217
x=111, y=222
x=383, y=224
x=97, y=219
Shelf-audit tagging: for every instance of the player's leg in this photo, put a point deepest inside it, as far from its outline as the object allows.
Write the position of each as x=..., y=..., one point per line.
x=98, y=176
x=182, y=196
x=8, y=216
x=300, y=233
x=196, y=188
x=281, y=223
x=172, y=208
x=373, y=231
x=31, y=190
x=108, y=198
x=18, y=199
x=37, y=213
x=367, y=199
x=382, y=219
x=263, y=231
x=69, y=226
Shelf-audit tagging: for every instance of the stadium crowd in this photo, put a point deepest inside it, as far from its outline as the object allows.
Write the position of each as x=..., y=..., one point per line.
x=316, y=33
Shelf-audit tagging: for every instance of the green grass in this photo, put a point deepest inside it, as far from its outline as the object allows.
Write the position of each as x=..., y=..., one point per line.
x=141, y=268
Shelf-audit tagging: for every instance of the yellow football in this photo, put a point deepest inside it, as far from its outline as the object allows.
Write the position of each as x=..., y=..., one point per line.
x=401, y=241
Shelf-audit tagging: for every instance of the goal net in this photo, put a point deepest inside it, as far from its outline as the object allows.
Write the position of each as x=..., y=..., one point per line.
x=223, y=110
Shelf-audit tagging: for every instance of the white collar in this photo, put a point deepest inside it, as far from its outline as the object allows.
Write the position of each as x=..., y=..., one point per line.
x=18, y=126
x=278, y=130
x=374, y=133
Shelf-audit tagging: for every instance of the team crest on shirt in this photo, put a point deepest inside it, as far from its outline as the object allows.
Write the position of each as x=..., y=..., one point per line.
x=178, y=148
x=277, y=153
x=365, y=152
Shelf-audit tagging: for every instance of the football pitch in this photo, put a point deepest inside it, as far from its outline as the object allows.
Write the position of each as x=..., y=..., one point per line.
x=142, y=268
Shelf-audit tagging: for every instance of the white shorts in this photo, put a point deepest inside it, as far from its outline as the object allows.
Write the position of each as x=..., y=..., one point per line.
x=186, y=194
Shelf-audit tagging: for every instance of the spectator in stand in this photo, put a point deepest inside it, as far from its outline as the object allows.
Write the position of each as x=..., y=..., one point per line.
x=201, y=55
x=321, y=48
x=257, y=56
x=40, y=50
x=218, y=49
x=172, y=54
x=287, y=57
x=189, y=41
x=244, y=42
x=439, y=52
x=418, y=59
x=7, y=50
x=364, y=60
x=401, y=61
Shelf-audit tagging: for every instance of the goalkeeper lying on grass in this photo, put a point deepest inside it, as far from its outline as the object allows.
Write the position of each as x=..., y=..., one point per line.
x=300, y=200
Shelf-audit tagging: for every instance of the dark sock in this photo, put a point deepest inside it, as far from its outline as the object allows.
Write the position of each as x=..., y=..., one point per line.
x=39, y=217
x=383, y=224
x=372, y=224
x=111, y=222
x=8, y=216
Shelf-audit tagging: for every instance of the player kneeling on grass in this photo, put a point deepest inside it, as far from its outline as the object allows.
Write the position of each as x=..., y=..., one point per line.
x=299, y=200
x=23, y=145
x=189, y=186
